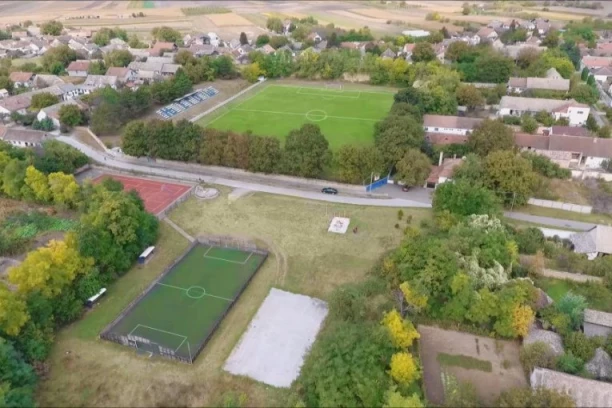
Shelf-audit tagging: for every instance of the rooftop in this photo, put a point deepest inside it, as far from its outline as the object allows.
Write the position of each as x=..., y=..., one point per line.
x=19, y=76
x=586, y=393
x=21, y=135
x=78, y=65
x=537, y=104
x=459, y=122
x=597, y=239
x=598, y=317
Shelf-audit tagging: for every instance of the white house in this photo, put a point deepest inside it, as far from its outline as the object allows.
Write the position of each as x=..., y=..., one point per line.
x=214, y=39
x=452, y=125
x=123, y=75
x=22, y=137
x=576, y=113
x=487, y=34
x=602, y=74
x=595, y=242
x=78, y=68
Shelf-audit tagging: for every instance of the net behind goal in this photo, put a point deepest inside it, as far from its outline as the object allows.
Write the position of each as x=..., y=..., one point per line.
x=334, y=86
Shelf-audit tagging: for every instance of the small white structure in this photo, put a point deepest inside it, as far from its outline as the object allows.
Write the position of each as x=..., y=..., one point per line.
x=92, y=300
x=416, y=33
x=273, y=348
x=576, y=113
x=146, y=255
x=339, y=225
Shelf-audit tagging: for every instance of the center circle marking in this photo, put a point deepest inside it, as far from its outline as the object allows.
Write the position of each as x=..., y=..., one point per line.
x=195, y=292
x=316, y=115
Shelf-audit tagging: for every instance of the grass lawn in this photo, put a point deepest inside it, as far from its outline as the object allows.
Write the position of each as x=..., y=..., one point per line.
x=594, y=218
x=467, y=362
x=304, y=258
x=597, y=295
x=181, y=311
x=20, y=61
x=345, y=116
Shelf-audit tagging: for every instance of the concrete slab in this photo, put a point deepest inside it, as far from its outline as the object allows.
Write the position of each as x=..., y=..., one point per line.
x=272, y=349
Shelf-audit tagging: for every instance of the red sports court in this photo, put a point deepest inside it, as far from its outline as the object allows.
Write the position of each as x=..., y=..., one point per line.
x=157, y=195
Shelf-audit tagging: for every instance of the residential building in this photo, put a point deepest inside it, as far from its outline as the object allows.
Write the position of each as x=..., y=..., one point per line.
x=603, y=49
x=388, y=54
x=408, y=49
x=160, y=47
x=452, y=125
x=123, y=75
x=487, y=34
x=78, y=68
x=543, y=26
x=213, y=39
x=266, y=49
x=16, y=103
x=44, y=81
x=22, y=137
x=595, y=242
x=52, y=111
x=19, y=35
x=519, y=85
x=169, y=69
x=22, y=79
x=286, y=26
x=569, y=131
x=585, y=392
x=602, y=74
x=442, y=173
x=594, y=63
x=577, y=152
x=316, y=37
x=100, y=81
x=513, y=51
x=552, y=73
x=597, y=323
x=204, y=49
x=576, y=113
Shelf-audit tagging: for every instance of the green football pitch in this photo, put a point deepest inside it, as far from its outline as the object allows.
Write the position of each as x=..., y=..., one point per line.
x=181, y=311
x=345, y=116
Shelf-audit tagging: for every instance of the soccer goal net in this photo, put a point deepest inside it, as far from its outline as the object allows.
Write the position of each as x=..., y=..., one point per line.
x=334, y=85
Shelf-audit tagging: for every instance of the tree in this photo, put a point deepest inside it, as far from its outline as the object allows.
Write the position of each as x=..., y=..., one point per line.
x=572, y=306
x=49, y=269
x=584, y=93
x=64, y=189
x=135, y=140
x=465, y=198
x=13, y=178
x=402, y=331
x=42, y=100
x=18, y=377
x=274, y=24
x=58, y=58
x=168, y=34
x=38, y=183
x=118, y=58
x=347, y=367
x=46, y=124
x=423, y=51
x=529, y=124
x=535, y=398
x=252, y=72
x=306, y=151
x=584, y=75
x=469, y=95
x=59, y=157
x=236, y=152
x=262, y=40
x=394, y=399
x=6, y=83
x=604, y=132
x=13, y=311
x=243, y=38
x=96, y=68
x=544, y=118
x=184, y=57
x=591, y=123
x=394, y=135
x=52, y=27
x=358, y=164
x=493, y=67
x=456, y=50
x=413, y=169
x=404, y=369
x=510, y=176
x=264, y=154
x=551, y=40
x=522, y=318
x=489, y=136
x=71, y=115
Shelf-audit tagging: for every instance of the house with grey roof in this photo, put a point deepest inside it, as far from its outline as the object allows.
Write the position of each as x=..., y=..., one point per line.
x=586, y=393
x=576, y=113
x=597, y=323
x=552, y=73
x=100, y=81
x=454, y=125
x=519, y=85
x=595, y=242
x=22, y=137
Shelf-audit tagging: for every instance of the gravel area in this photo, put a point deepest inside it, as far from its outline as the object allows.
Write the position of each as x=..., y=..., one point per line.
x=272, y=349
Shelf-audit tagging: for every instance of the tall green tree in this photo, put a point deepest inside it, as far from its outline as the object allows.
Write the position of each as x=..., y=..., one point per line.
x=413, y=169
x=358, y=165
x=510, y=176
x=42, y=100
x=489, y=136
x=264, y=154
x=394, y=135
x=306, y=152
x=465, y=198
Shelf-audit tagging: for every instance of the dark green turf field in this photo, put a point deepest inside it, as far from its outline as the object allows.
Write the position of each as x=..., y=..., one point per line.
x=184, y=307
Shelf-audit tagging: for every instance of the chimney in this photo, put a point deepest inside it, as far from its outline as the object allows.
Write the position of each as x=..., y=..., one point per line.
x=441, y=159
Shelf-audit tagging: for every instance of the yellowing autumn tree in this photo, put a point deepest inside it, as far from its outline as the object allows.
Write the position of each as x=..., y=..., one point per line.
x=49, y=269
x=394, y=399
x=38, y=183
x=522, y=317
x=64, y=188
x=412, y=297
x=13, y=311
x=404, y=369
x=402, y=331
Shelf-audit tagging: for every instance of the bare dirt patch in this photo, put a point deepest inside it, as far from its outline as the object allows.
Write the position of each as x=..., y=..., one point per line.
x=228, y=19
x=468, y=350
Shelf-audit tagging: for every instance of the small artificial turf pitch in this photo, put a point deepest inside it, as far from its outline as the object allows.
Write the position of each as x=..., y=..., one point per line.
x=345, y=116
x=182, y=309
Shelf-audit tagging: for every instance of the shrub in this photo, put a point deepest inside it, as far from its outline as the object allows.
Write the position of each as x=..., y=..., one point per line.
x=568, y=363
x=512, y=120
x=546, y=167
x=529, y=240
x=537, y=354
x=580, y=345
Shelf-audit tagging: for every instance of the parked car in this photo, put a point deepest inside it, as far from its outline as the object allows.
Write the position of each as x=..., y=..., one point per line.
x=329, y=190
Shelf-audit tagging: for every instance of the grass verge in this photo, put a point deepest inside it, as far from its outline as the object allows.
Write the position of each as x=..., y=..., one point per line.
x=198, y=11
x=597, y=295
x=467, y=362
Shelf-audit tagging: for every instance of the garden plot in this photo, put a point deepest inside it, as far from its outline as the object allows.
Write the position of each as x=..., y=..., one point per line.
x=273, y=348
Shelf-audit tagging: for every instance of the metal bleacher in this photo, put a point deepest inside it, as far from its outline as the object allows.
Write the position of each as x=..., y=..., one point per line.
x=186, y=102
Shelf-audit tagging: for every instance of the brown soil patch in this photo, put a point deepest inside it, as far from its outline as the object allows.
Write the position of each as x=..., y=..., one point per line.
x=228, y=19
x=503, y=355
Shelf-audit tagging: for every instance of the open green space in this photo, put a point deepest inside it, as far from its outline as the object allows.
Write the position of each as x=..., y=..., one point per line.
x=345, y=116
x=183, y=308
x=598, y=296
x=467, y=362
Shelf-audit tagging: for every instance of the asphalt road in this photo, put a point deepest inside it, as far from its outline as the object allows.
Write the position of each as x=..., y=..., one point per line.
x=312, y=193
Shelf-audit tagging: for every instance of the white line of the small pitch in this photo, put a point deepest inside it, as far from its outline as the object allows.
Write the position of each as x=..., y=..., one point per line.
x=223, y=259
x=304, y=114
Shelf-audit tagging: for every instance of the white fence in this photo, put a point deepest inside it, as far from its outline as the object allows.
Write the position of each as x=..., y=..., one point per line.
x=583, y=209
x=225, y=102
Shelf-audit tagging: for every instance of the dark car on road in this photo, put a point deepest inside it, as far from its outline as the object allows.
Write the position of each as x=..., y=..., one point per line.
x=329, y=190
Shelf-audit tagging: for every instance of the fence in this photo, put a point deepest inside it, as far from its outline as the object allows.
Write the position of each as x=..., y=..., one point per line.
x=377, y=184
x=583, y=209
x=225, y=102
x=142, y=343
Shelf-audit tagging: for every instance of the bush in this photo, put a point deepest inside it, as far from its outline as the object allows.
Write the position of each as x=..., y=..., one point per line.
x=570, y=364
x=581, y=346
x=546, y=167
x=529, y=240
x=537, y=354
x=512, y=120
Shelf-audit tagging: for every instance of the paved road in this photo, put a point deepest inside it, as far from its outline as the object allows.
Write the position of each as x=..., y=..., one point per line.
x=553, y=222
x=196, y=175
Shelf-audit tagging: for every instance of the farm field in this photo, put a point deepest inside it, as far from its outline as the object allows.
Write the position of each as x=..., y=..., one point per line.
x=345, y=116
x=303, y=258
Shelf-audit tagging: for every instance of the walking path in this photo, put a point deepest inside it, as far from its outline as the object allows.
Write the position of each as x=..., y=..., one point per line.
x=552, y=222
x=551, y=273
x=179, y=229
